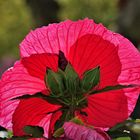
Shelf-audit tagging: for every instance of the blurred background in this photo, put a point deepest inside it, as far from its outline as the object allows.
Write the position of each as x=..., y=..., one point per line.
x=18, y=17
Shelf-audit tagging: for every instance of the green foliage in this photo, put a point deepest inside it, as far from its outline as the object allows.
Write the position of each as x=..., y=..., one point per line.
x=16, y=20
x=127, y=130
x=34, y=131
x=10, y=134
x=122, y=131
x=103, y=11
x=15, y=23
x=30, y=133
x=123, y=138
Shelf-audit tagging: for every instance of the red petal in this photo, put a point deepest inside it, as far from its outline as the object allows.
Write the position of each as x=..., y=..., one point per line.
x=38, y=63
x=91, y=51
x=119, y=64
x=54, y=118
x=14, y=83
x=55, y=37
x=33, y=112
x=107, y=109
x=78, y=132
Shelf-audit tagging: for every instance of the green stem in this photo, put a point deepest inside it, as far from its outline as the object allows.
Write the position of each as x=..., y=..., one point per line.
x=72, y=107
x=63, y=102
x=84, y=98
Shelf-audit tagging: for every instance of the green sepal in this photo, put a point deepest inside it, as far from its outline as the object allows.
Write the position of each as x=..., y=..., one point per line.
x=90, y=79
x=109, y=88
x=34, y=131
x=72, y=79
x=27, y=96
x=76, y=120
x=55, y=81
x=58, y=132
x=50, y=99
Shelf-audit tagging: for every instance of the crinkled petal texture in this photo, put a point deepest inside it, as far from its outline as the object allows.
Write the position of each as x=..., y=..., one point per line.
x=35, y=112
x=118, y=65
x=87, y=45
x=26, y=77
x=16, y=82
x=78, y=132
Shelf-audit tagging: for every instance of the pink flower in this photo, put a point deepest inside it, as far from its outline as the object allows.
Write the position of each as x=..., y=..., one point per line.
x=77, y=132
x=85, y=45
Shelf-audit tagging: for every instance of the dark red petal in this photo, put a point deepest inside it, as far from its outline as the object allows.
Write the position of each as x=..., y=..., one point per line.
x=107, y=109
x=16, y=82
x=34, y=112
x=37, y=64
x=119, y=64
x=54, y=118
x=78, y=132
x=91, y=51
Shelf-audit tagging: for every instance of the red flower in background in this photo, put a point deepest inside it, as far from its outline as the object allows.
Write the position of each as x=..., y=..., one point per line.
x=86, y=45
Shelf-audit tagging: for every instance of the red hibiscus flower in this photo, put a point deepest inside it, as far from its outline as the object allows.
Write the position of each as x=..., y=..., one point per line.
x=86, y=46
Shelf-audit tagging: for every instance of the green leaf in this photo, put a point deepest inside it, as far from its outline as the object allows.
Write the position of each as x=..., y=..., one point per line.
x=118, y=134
x=58, y=132
x=35, y=131
x=120, y=126
x=10, y=134
x=122, y=138
x=72, y=79
x=55, y=81
x=109, y=88
x=90, y=79
x=134, y=127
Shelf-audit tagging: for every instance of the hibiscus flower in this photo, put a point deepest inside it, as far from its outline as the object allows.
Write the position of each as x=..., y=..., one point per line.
x=82, y=46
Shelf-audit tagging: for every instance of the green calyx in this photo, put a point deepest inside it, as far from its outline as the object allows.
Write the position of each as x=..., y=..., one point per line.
x=69, y=90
